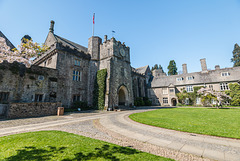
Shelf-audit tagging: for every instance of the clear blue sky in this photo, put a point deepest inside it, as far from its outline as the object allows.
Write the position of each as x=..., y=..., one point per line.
x=156, y=31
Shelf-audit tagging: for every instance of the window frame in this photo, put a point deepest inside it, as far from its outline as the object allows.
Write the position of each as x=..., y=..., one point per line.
x=224, y=86
x=171, y=90
x=165, y=100
x=76, y=98
x=179, y=79
x=77, y=62
x=38, y=98
x=189, y=88
x=4, y=97
x=77, y=75
x=165, y=91
x=225, y=74
x=190, y=77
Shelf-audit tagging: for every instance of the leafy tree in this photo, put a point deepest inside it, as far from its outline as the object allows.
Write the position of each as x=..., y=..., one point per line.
x=236, y=56
x=28, y=50
x=234, y=93
x=172, y=68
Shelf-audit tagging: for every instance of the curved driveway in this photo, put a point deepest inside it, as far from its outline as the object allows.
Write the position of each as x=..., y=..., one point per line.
x=118, y=122
x=201, y=145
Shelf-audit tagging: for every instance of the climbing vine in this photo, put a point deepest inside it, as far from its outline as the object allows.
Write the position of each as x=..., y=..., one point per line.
x=100, y=89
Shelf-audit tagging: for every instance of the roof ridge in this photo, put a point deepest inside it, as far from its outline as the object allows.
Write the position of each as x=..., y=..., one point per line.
x=69, y=42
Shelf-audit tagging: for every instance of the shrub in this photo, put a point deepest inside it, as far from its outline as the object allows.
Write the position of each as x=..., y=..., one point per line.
x=139, y=101
x=179, y=104
x=142, y=101
x=147, y=102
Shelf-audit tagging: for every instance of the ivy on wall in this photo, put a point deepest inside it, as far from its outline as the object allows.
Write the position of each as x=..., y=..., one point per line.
x=191, y=96
x=100, y=89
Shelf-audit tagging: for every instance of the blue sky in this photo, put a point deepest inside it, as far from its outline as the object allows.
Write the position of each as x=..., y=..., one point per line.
x=156, y=31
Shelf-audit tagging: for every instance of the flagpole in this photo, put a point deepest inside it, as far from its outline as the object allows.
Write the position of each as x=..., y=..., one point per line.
x=93, y=22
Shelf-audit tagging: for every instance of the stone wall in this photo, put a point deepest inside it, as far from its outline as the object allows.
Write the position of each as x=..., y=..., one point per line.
x=35, y=109
x=23, y=84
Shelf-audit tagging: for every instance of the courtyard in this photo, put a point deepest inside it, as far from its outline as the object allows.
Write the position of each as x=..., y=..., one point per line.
x=119, y=129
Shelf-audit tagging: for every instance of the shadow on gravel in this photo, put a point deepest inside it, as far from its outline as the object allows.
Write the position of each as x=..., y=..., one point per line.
x=39, y=154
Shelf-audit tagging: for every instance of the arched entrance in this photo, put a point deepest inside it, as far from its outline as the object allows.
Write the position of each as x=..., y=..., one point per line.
x=122, y=96
x=174, y=102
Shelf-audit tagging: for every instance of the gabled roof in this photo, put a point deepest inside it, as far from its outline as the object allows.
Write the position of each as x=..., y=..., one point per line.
x=53, y=38
x=7, y=41
x=142, y=70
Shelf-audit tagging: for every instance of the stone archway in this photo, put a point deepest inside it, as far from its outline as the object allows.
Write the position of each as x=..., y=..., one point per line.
x=122, y=96
x=174, y=102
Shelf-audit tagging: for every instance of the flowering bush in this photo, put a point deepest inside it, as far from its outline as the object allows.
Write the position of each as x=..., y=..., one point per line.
x=28, y=50
x=207, y=95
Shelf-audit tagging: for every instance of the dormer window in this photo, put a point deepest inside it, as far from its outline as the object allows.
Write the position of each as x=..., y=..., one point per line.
x=223, y=74
x=180, y=79
x=190, y=77
x=77, y=62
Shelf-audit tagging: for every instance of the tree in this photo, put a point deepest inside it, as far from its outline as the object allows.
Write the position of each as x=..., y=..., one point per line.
x=234, y=93
x=28, y=50
x=172, y=68
x=236, y=56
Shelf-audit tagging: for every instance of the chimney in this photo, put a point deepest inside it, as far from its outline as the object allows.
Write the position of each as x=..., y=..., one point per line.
x=203, y=64
x=184, y=68
x=105, y=38
x=217, y=67
x=51, y=29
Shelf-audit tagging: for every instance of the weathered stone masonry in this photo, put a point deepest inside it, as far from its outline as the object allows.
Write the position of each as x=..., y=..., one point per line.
x=67, y=72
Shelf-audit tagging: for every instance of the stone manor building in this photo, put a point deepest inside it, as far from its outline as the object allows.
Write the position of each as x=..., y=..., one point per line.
x=67, y=72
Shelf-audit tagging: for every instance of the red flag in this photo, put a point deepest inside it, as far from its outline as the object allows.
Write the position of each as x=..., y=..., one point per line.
x=94, y=18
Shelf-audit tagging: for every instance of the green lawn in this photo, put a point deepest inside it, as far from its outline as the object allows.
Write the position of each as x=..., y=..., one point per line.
x=57, y=145
x=217, y=122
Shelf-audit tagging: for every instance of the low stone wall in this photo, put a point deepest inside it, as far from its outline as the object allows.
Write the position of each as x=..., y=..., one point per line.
x=21, y=110
x=3, y=109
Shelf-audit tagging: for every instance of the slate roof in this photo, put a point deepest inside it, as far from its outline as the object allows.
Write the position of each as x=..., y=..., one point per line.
x=211, y=76
x=53, y=38
x=71, y=44
x=8, y=42
x=142, y=70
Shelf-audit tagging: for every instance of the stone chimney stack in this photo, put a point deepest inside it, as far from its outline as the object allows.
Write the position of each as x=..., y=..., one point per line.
x=51, y=29
x=105, y=38
x=184, y=68
x=203, y=64
x=217, y=67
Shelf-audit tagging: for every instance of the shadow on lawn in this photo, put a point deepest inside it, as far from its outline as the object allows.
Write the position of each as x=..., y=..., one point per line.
x=33, y=153
x=105, y=152
x=39, y=154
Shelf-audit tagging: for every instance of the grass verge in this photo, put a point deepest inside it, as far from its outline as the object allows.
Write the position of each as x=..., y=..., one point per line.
x=57, y=145
x=209, y=121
